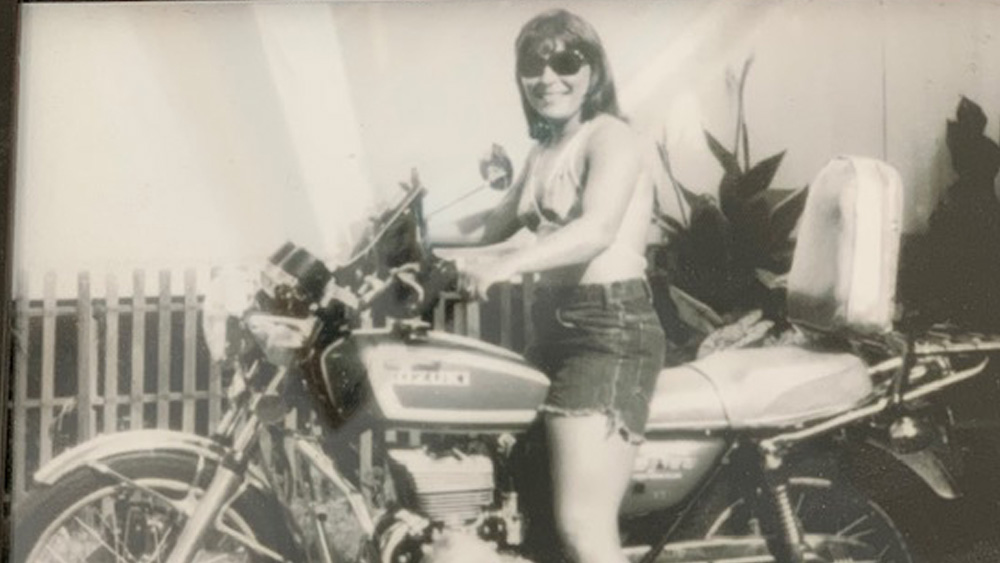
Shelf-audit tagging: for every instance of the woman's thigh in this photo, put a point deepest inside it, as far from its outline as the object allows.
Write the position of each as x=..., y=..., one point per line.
x=590, y=465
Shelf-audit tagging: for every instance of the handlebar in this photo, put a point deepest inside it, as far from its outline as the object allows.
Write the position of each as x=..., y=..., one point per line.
x=408, y=290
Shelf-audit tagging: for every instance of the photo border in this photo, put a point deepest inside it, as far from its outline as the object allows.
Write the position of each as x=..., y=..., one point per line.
x=9, y=50
x=10, y=20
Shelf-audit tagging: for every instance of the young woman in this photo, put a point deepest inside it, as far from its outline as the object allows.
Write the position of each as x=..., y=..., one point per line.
x=598, y=338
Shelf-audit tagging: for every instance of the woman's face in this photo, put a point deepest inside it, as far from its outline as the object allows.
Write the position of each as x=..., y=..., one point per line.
x=555, y=81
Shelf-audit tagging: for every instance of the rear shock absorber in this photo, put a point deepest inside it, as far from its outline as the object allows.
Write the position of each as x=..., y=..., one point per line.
x=787, y=542
x=788, y=524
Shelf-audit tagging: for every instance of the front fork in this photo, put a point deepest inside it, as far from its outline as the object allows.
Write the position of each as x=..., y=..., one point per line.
x=228, y=476
x=227, y=479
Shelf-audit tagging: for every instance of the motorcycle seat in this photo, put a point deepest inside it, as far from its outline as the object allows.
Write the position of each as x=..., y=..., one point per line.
x=685, y=399
x=760, y=387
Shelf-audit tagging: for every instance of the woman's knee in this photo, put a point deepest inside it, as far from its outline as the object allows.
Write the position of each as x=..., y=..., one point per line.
x=587, y=531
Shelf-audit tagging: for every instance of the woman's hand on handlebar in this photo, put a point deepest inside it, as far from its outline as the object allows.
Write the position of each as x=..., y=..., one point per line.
x=479, y=268
x=475, y=279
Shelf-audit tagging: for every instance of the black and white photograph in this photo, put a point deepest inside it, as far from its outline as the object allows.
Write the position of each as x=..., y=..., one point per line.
x=578, y=281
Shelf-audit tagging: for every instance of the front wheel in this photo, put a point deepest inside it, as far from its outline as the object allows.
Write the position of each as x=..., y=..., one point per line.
x=847, y=526
x=134, y=514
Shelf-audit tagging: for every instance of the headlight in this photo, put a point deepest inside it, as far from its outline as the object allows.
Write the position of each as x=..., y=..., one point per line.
x=230, y=294
x=281, y=338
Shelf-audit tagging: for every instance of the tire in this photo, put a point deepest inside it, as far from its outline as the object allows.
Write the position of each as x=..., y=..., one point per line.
x=88, y=516
x=826, y=508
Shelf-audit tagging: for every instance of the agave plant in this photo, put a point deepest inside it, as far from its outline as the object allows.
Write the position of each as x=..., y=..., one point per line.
x=721, y=250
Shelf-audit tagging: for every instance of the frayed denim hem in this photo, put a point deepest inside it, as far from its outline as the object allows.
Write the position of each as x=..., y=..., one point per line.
x=616, y=424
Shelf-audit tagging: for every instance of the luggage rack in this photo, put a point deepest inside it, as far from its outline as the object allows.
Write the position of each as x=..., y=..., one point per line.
x=939, y=340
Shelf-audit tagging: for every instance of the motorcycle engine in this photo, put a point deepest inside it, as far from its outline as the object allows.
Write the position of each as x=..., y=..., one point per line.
x=449, y=506
x=452, y=487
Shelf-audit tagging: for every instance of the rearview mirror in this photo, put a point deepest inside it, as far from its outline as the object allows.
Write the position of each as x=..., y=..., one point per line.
x=496, y=169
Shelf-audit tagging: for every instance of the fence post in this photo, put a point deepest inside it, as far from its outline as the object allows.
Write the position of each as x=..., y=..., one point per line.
x=47, y=405
x=214, y=385
x=163, y=352
x=506, y=318
x=20, y=421
x=441, y=313
x=460, y=317
x=84, y=370
x=527, y=302
x=190, y=349
x=111, y=312
x=473, y=324
x=138, y=386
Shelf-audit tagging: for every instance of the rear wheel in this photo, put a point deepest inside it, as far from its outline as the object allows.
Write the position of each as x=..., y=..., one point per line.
x=135, y=517
x=844, y=525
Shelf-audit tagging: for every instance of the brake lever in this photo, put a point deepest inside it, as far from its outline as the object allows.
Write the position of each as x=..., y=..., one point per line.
x=409, y=278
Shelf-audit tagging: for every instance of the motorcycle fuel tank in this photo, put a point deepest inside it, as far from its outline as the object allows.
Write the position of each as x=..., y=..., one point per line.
x=438, y=379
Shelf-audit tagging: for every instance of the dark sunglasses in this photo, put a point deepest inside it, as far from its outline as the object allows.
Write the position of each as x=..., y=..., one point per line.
x=563, y=63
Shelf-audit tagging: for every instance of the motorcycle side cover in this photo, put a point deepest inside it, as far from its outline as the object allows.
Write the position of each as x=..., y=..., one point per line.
x=437, y=379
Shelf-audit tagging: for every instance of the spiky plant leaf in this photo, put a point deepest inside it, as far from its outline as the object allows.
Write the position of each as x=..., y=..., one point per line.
x=728, y=185
x=672, y=226
x=727, y=159
x=785, y=215
x=758, y=178
x=707, y=258
x=785, y=208
x=750, y=228
x=693, y=199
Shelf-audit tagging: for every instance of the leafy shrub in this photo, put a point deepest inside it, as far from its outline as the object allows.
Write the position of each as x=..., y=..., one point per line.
x=721, y=252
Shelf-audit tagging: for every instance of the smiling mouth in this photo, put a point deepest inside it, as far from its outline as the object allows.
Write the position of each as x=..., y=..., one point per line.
x=546, y=95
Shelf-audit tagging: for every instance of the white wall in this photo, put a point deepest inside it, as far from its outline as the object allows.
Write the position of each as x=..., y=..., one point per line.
x=935, y=53
x=179, y=135
x=175, y=134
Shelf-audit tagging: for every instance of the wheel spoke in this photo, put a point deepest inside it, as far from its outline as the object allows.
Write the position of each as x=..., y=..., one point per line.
x=90, y=531
x=160, y=542
x=213, y=559
x=116, y=524
x=852, y=525
x=798, y=504
x=106, y=513
x=52, y=552
x=857, y=536
x=116, y=530
x=723, y=518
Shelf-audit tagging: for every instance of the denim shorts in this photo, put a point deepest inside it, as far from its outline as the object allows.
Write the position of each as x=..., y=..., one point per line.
x=601, y=346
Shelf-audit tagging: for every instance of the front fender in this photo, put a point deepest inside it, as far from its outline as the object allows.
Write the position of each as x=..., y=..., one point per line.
x=106, y=448
x=150, y=442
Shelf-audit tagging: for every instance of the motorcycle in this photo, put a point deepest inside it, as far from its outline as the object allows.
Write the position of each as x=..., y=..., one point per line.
x=743, y=460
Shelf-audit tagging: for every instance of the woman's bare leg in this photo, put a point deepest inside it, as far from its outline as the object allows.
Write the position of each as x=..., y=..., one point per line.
x=590, y=474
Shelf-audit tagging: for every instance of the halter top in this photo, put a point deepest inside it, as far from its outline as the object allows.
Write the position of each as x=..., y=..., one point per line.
x=550, y=202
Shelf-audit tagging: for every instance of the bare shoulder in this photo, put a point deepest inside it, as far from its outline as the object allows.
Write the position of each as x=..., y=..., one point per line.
x=612, y=137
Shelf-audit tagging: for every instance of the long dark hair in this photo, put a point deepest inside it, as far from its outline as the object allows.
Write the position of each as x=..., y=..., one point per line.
x=540, y=34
